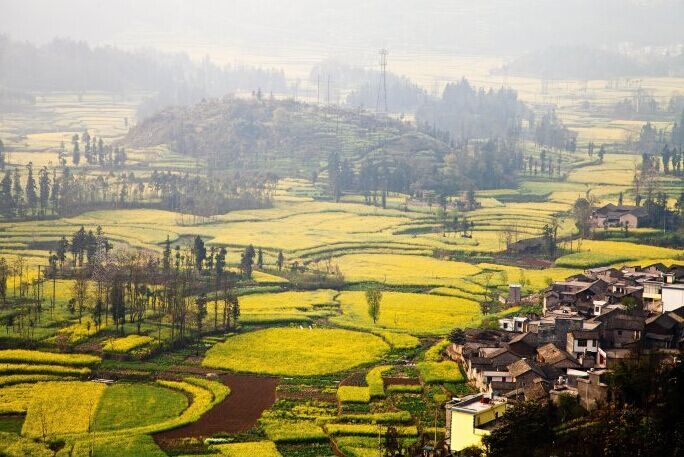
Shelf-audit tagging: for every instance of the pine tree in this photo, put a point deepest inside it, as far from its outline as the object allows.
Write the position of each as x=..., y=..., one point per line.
x=200, y=253
x=220, y=263
x=76, y=154
x=246, y=261
x=100, y=151
x=167, y=254
x=62, y=248
x=44, y=184
x=18, y=193
x=260, y=259
x=31, y=190
x=7, y=207
x=281, y=260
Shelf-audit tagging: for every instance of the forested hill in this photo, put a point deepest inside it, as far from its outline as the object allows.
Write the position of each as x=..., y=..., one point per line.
x=581, y=62
x=364, y=152
x=281, y=135
x=67, y=65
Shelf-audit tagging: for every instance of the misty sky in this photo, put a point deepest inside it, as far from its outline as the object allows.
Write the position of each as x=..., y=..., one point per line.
x=344, y=27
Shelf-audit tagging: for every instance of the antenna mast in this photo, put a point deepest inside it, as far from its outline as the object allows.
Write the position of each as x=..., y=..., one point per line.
x=382, y=90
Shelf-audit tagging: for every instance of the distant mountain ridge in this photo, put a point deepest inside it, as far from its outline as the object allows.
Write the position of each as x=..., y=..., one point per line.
x=580, y=62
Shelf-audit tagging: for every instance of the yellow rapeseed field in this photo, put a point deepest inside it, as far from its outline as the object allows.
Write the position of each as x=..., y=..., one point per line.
x=296, y=351
x=62, y=408
x=403, y=269
x=418, y=314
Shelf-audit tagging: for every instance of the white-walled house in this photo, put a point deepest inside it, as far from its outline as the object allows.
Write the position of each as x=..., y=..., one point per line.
x=582, y=342
x=672, y=296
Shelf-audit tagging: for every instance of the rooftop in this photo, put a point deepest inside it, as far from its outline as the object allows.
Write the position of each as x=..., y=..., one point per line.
x=475, y=403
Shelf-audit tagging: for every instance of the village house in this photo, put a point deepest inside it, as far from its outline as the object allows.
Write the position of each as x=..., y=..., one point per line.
x=582, y=343
x=665, y=331
x=552, y=355
x=617, y=328
x=471, y=418
x=618, y=216
x=591, y=322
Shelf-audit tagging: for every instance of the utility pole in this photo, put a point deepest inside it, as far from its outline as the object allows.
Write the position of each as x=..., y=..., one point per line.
x=328, y=90
x=382, y=90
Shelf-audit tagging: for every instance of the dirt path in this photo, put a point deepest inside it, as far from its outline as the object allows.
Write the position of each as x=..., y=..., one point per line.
x=249, y=396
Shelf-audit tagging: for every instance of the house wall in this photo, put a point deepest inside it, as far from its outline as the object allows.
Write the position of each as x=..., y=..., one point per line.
x=630, y=219
x=591, y=393
x=652, y=291
x=574, y=347
x=673, y=298
x=463, y=426
x=619, y=338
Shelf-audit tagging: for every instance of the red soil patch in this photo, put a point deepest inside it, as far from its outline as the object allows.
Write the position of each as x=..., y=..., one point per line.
x=249, y=396
x=401, y=381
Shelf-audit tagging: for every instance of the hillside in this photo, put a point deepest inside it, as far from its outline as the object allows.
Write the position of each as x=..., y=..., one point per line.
x=284, y=137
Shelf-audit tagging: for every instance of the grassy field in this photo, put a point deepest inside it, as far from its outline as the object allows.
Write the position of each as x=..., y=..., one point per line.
x=135, y=405
x=296, y=351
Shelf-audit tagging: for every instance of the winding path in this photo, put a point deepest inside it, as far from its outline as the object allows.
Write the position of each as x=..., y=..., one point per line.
x=249, y=396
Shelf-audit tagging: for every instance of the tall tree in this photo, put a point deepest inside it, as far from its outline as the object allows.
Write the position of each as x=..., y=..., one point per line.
x=7, y=207
x=31, y=189
x=280, y=261
x=373, y=300
x=76, y=152
x=18, y=191
x=166, y=263
x=260, y=259
x=247, y=261
x=200, y=253
x=44, y=184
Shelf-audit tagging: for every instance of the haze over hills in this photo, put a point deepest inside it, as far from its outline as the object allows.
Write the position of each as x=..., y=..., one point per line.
x=304, y=28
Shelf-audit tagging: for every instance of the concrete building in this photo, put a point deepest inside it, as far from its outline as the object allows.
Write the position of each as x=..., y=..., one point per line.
x=470, y=418
x=672, y=296
x=513, y=324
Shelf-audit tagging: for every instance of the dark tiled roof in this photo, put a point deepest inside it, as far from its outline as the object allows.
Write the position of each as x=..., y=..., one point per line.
x=585, y=334
x=522, y=366
x=550, y=353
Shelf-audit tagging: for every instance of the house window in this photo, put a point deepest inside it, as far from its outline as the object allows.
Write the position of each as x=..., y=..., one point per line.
x=581, y=343
x=619, y=332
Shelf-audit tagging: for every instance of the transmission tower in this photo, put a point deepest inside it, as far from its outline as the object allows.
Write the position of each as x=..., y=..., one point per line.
x=382, y=90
